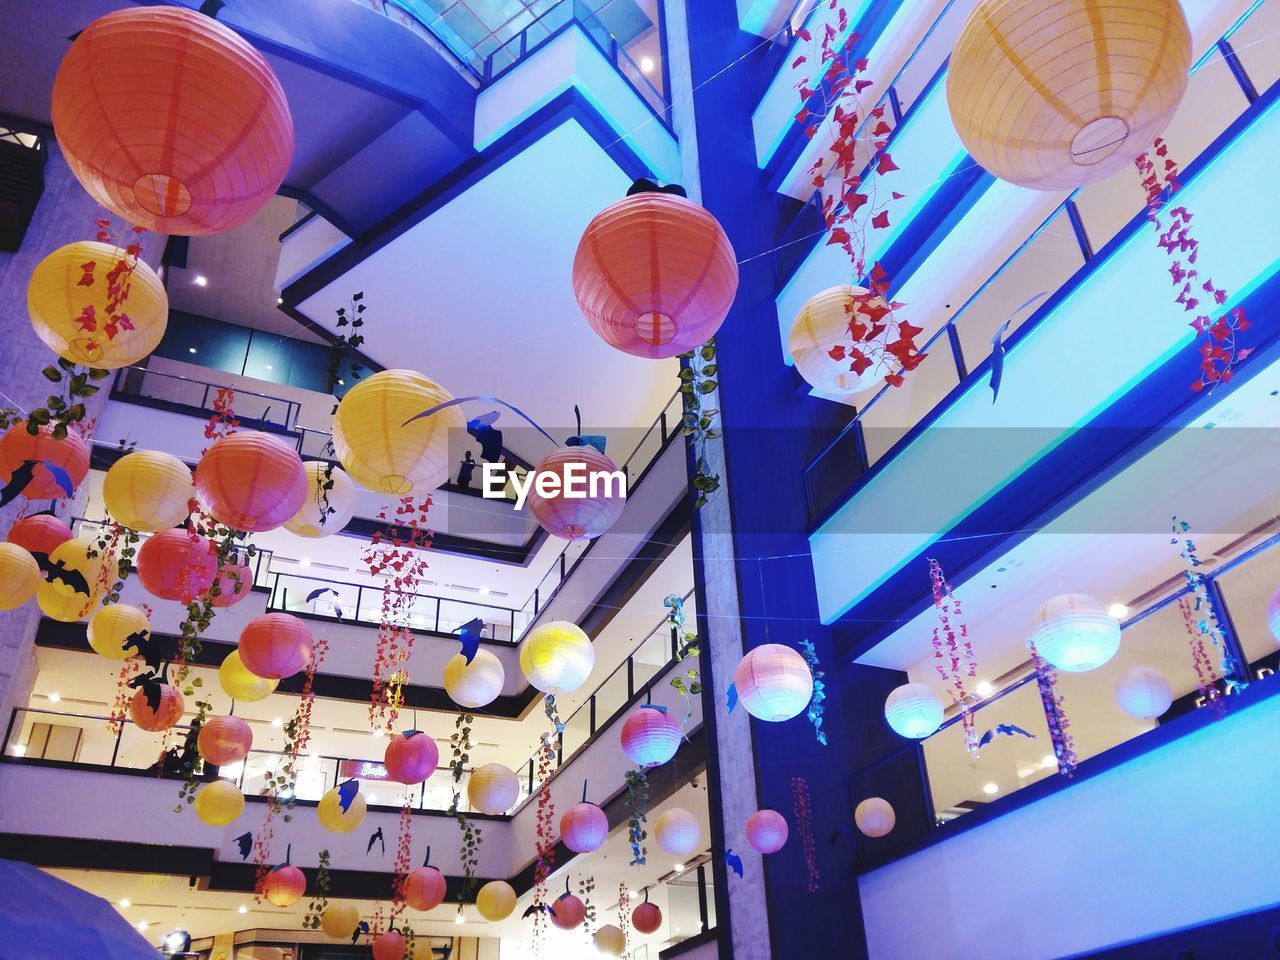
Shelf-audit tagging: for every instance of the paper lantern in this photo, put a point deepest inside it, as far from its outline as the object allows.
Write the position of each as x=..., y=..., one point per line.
x=913, y=710
x=177, y=565
x=774, y=682
x=678, y=832
x=569, y=911
x=40, y=533
x=336, y=820
x=324, y=512
x=1273, y=605
x=1057, y=94
x=251, y=481
x=1144, y=693
x=655, y=275
x=275, y=645
x=219, y=803
x=19, y=576
x=224, y=740
x=557, y=657
x=474, y=684
x=829, y=320
x=388, y=946
x=766, y=831
x=61, y=594
x=646, y=918
x=493, y=789
x=582, y=470
x=411, y=757
x=340, y=919
x=284, y=885
x=496, y=900
x=233, y=582
x=584, y=827
x=148, y=490
x=171, y=121
x=86, y=322
x=650, y=737
x=610, y=941
x=424, y=888
x=874, y=816
x=379, y=449
x=70, y=453
x=239, y=684
x=161, y=717
x=1074, y=632
x=112, y=626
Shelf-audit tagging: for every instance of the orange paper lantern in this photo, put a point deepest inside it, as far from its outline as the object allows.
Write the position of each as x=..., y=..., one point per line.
x=584, y=827
x=582, y=470
x=275, y=645
x=411, y=758
x=424, y=888
x=177, y=565
x=162, y=717
x=284, y=885
x=569, y=911
x=655, y=275
x=251, y=481
x=171, y=121
x=148, y=490
x=224, y=740
x=646, y=918
x=388, y=946
x=70, y=453
x=39, y=534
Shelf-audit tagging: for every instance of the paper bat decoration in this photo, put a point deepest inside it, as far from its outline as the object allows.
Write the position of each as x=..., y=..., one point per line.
x=731, y=697
x=489, y=437
x=545, y=907
x=361, y=928
x=152, y=651
x=376, y=835
x=347, y=792
x=18, y=482
x=734, y=861
x=58, y=572
x=645, y=185
x=151, y=686
x=469, y=636
x=842, y=831
x=245, y=843
x=316, y=594
x=1004, y=730
x=581, y=440
x=61, y=478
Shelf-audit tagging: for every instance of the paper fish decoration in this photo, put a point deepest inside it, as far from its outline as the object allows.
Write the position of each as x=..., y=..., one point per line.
x=731, y=697
x=1004, y=730
x=17, y=482
x=347, y=793
x=469, y=636
x=734, y=861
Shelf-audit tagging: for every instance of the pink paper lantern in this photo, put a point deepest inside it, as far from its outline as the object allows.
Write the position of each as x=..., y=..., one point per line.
x=411, y=757
x=284, y=885
x=774, y=682
x=177, y=565
x=584, y=827
x=424, y=888
x=650, y=737
x=251, y=481
x=569, y=911
x=581, y=470
x=275, y=645
x=646, y=918
x=766, y=831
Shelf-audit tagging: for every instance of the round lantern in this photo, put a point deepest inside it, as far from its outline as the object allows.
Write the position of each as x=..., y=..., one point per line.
x=70, y=453
x=340, y=920
x=850, y=318
x=650, y=737
x=493, y=789
x=112, y=626
x=275, y=645
x=19, y=576
x=1144, y=693
x=224, y=740
x=424, y=888
x=62, y=594
x=219, y=803
x=411, y=757
x=177, y=564
x=148, y=490
x=569, y=911
x=584, y=827
x=1273, y=605
x=388, y=946
x=380, y=449
x=85, y=322
x=610, y=941
x=40, y=533
x=171, y=121
x=284, y=885
x=336, y=820
x=324, y=512
x=913, y=710
x=678, y=832
x=495, y=900
x=874, y=816
x=162, y=717
x=655, y=275
x=582, y=470
x=766, y=831
x=232, y=584
x=251, y=481
x=1074, y=632
x=474, y=684
x=646, y=918
x=1058, y=94
x=557, y=657
x=239, y=684
x=774, y=682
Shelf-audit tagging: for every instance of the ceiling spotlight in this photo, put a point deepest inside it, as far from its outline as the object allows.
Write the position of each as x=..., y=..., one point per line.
x=201, y=280
x=55, y=697
x=19, y=749
x=243, y=909
x=985, y=689
x=279, y=300
x=484, y=590
x=459, y=918
x=1049, y=760
x=191, y=349
x=990, y=789
x=126, y=903
x=277, y=722
x=646, y=64
x=1118, y=610
x=678, y=867
x=633, y=895
x=142, y=926
x=268, y=366
x=370, y=798
x=305, y=561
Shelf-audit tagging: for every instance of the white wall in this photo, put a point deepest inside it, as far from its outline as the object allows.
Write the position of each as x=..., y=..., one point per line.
x=305, y=248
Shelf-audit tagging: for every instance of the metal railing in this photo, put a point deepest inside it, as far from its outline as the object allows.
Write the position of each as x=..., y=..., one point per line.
x=173, y=391
x=260, y=564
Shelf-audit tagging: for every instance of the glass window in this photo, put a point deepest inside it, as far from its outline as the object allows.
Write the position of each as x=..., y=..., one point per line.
x=1247, y=590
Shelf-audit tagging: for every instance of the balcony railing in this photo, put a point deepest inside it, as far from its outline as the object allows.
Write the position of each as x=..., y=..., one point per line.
x=172, y=391
x=260, y=564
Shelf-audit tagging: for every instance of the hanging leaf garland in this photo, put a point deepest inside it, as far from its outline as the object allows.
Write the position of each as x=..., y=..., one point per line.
x=1206, y=619
x=697, y=380
x=816, y=708
x=1064, y=747
x=404, y=857
x=686, y=646
x=346, y=344
x=319, y=894
x=637, y=801
x=586, y=887
x=624, y=917
x=117, y=545
x=545, y=840
x=470, y=852
x=802, y=809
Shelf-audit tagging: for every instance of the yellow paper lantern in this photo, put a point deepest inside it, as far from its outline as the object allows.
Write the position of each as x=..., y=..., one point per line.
x=340, y=920
x=79, y=321
x=112, y=626
x=557, y=657
x=379, y=450
x=334, y=819
x=474, y=684
x=19, y=576
x=496, y=900
x=678, y=832
x=75, y=586
x=829, y=320
x=219, y=803
x=610, y=941
x=493, y=789
x=324, y=512
x=148, y=490
x=1056, y=94
x=239, y=684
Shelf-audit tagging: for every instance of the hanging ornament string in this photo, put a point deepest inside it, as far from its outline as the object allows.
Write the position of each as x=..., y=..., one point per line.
x=1054, y=712
x=802, y=809
x=1206, y=677
x=953, y=651
x=1206, y=619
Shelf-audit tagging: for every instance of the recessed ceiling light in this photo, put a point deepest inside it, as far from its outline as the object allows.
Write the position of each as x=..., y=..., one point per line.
x=142, y=926
x=268, y=366
x=1050, y=760
x=633, y=895
x=371, y=798
x=277, y=722
x=459, y=918
x=342, y=383
x=378, y=732
x=484, y=590
x=55, y=697
x=19, y=749
x=1118, y=610
x=646, y=64
x=279, y=300
x=678, y=867
x=126, y=903
x=191, y=349
x=990, y=789
x=985, y=689
x=243, y=908
x=201, y=280
x=303, y=561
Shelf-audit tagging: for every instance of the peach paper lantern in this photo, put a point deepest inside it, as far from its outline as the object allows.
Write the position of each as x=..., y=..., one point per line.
x=219, y=803
x=1056, y=94
x=251, y=481
x=19, y=576
x=380, y=448
x=324, y=512
x=493, y=789
x=678, y=832
x=766, y=831
x=171, y=121
x=340, y=920
x=610, y=941
x=655, y=275
x=569, y=911
x=148, y=490
x=176, y=564
x=224, y=740
x=650, y=737
x=161, y=717
x=79, y=322
x=61, y=597
x=424, y=888
x=70, y=453
x=474, y=684
x=646, y=918
x=774, y=682
x=112, y=626
x=40, y=533
x=389, y=946
x=584, y=827
x=275, y=645
x=411, y=757
x=828, y=320
x=496, y=900
x=557, y=657
x=239, y=684
x=875, y=817
x=582, y=470
x=284, y=885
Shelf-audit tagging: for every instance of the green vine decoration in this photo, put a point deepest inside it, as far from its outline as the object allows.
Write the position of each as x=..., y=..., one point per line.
x=689, y=683
x=345, y=345
x=637, y=801
x=319, y=896
x=118, y=542
x=191, y=758
x=322, y=491
x=461, y=743
x=64, y=409
x=586, y=887
x=697, y=380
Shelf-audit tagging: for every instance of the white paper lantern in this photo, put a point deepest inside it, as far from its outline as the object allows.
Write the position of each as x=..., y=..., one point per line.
x=913, y=710
x=1143, y=692
x=1074, y=632
x=557, y=657
x=677, y=832
x=774, y=682
x=314, y=518
x=493, y=789
x=474, y=684
x=875, y=817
